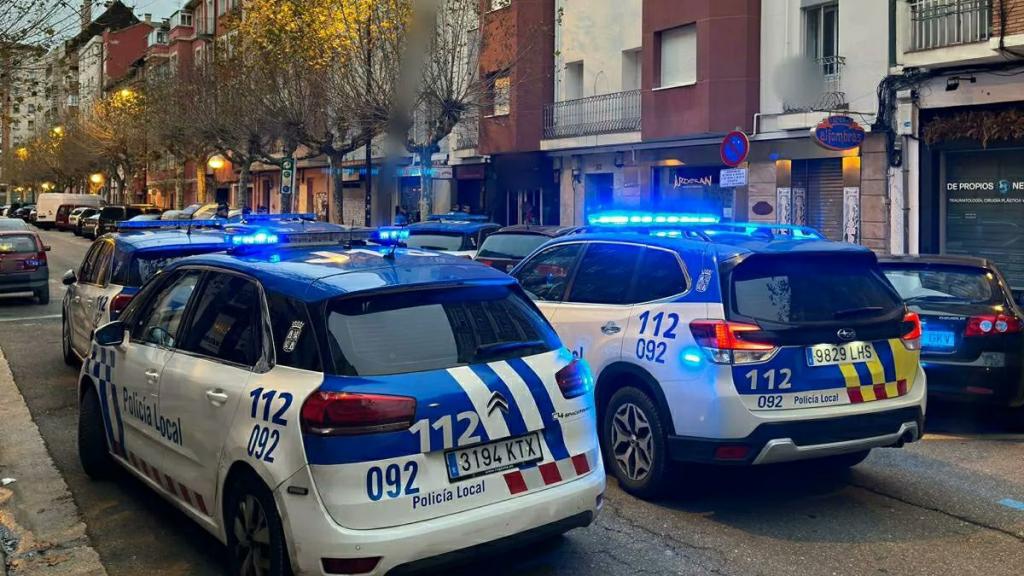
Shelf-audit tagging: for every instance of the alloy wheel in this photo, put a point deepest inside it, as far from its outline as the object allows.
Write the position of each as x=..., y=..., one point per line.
x=253, y=535
x=632, y=442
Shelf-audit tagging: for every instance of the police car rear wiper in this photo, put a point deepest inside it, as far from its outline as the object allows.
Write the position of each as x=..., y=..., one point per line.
x=858, y=311
x=507, y=346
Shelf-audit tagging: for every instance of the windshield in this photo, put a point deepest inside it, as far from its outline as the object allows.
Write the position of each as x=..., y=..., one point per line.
x=12, y=243
x=826, y=288
x=439, y=241
x=513, y=246
x=957, y=284
x=112, y=213
x=387, y=333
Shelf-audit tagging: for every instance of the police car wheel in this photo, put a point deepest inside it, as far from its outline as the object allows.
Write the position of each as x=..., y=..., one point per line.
x=255, y=537
x=634, y=440
x=92, y=439
x=65, y=342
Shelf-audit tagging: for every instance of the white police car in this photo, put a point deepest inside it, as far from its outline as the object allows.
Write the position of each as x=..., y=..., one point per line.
x=454, y=233
x=730, y=344
x=335, y=409
x=114, y=268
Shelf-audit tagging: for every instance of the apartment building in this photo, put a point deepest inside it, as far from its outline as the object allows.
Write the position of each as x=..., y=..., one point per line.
x=957, y=100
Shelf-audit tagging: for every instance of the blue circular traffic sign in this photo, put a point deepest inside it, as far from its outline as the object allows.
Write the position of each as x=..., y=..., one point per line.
x=735, y=147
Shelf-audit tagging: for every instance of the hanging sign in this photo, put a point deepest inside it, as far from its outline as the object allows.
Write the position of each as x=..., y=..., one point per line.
x=838, y=133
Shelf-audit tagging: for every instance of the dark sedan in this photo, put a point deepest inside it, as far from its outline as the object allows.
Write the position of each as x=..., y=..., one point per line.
x=506, y=247
x=973, y=334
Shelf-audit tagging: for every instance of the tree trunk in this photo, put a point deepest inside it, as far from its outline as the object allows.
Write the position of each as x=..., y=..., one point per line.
x=426, y=183
x=179, y=181
x=201, y=180
x=243, y=185
x=337, y=190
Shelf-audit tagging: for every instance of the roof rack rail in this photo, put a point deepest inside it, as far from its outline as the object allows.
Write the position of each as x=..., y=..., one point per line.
x=167, y=224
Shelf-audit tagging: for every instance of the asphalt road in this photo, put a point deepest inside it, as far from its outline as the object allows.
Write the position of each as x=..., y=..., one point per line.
x=953, y=503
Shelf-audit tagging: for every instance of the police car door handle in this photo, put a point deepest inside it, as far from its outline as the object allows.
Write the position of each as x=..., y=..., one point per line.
x=610, y=328
x=152, y=375
x=216, y=397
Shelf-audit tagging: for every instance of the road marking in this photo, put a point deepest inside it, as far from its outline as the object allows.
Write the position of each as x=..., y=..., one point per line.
x=1011, y=503
x=46, y=317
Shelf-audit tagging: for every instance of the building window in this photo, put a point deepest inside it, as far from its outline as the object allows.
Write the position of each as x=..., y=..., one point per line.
x=678, y=56
x=499, y=4
x=186, y=18
x=822, y=34
x=631, y=69
x=501, y=96
x=574, y=80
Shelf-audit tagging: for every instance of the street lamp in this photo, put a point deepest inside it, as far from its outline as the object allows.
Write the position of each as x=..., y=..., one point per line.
x=96, y=179
x=21, y=153
x=57, y=131
x=216, y=162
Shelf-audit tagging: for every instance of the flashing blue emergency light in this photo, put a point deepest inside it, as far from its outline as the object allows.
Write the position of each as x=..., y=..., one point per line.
x=258, y=238
x=648, y=219
x=389, y=235
x=164, y=224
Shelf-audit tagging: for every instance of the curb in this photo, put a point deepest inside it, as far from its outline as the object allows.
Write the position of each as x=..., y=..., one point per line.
x=41, y=531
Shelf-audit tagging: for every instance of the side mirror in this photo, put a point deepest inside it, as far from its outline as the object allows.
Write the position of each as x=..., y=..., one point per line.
x=69, y=277
x=110, y=334
x=47, y=248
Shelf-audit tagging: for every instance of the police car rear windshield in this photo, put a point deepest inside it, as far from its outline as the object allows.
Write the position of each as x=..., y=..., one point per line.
x=136, y=268
x=796, y=289
x=439, y=241
x=433, y=329
x=510, y=245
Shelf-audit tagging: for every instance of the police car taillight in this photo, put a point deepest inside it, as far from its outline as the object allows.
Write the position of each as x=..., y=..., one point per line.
x=118, y=304
x=347, y=413
x=575, y=379
x=730, y=342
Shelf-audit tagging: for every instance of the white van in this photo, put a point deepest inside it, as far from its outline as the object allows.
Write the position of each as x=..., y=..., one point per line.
x=48, y=204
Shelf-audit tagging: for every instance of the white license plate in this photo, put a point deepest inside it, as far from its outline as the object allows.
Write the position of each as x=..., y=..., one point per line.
x=832, y=354
x=493, y=457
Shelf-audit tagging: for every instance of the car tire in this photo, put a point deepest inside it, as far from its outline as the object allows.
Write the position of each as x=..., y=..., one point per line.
x=844, y=461
x=93, y=452
x=634, y=441
x=250, y=509
x=65, y=343
x=43, y=295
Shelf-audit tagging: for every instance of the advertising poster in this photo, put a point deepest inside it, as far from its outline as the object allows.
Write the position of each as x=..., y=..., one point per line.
x=851, y=214
x=784, y=205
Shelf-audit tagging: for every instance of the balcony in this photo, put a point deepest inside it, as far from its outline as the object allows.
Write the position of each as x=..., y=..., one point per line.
x=594, y=115
x=943, y=23
x=826, y=92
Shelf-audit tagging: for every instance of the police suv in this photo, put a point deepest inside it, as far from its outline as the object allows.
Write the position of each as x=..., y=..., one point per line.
x=730, y=343
x=114, y=268
x=343, y=409
x=455, y=233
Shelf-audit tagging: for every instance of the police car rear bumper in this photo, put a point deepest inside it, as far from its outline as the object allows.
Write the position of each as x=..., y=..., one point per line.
x=312, y=535
x=774, y=442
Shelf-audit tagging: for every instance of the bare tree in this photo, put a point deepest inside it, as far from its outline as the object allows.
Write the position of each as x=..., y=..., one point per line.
x=117, y=127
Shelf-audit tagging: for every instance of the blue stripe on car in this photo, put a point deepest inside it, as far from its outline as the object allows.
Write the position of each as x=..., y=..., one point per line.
x=553, y=429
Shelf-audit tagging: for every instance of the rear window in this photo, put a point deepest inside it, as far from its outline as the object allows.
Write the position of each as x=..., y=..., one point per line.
x=798, y=289
x=17, y=243
x=513, y=246
x=433, y=329
x=957, y=284
x=135, y=269
x=112, y=213
x=438, y=241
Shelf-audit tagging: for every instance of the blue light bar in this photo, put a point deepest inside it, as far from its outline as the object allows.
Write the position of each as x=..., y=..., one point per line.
x=158, y=224
x=775, y=231
x=260, y=238
x=389, y=235
x=648, y=219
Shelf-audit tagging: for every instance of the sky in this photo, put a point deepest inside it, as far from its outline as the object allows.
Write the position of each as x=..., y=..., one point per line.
x=158, y=8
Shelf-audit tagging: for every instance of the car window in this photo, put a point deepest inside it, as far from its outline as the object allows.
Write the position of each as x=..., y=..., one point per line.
x=225, y=323
x=294, y=341
x=16, y=243
x=85, y=270
x=384, y=333
x=112, y=213
x=940, y=283
x=605, y=273
x=438, y=241
x=510, y=245
x=158, y=323
x=793, y=289
x=103, y=263
x=659, y=276
x=546, y=275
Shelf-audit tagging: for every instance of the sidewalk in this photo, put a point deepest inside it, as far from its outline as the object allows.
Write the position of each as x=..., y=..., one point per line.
x=41, y=532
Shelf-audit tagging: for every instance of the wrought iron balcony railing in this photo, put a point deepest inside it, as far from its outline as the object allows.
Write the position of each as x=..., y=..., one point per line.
x=941, y=23
x=604, y=114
